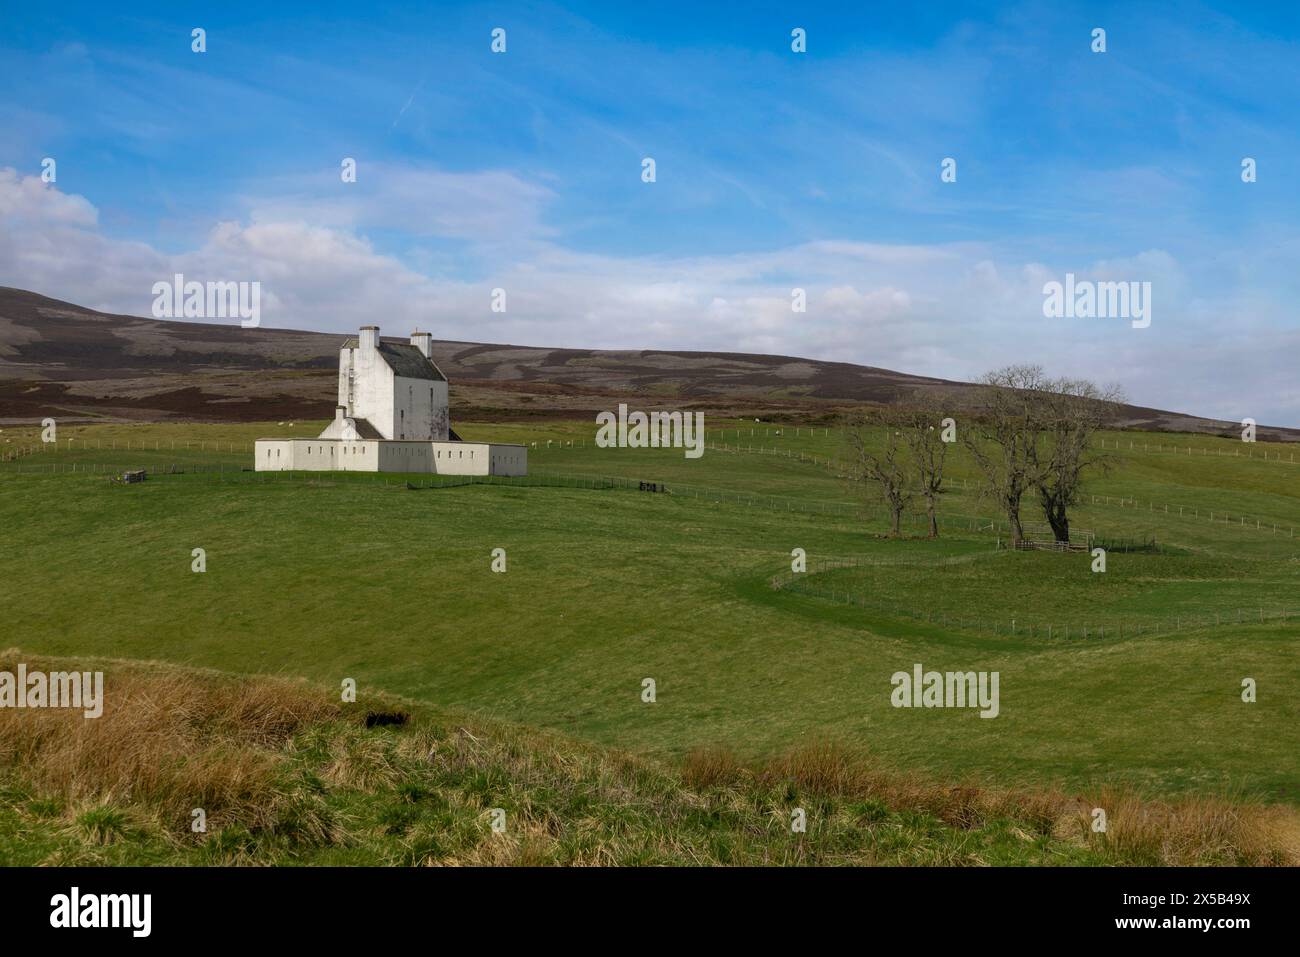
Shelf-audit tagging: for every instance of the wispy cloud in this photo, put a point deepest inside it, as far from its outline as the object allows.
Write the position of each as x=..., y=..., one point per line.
x=949, y=310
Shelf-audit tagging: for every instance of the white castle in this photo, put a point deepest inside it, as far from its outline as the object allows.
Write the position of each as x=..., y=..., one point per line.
x=391, y=417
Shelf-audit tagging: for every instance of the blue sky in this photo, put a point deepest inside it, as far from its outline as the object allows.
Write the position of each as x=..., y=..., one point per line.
x=774, y=170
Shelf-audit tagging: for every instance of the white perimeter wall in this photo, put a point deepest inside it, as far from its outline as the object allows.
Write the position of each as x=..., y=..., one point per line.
x=440, y=458
x=316, y=455
x=509, y=459
x=461, y=458
x=405, y=457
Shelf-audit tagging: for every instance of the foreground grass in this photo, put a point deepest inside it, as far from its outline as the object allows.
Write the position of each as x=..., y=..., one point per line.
x=287, y=775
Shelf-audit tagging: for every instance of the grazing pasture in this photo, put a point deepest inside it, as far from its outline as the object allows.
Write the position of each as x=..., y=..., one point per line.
x=364, y=578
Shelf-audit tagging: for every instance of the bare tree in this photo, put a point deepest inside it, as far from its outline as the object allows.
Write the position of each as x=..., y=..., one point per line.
x=878, y=454
x=1032, y=433
x=1073, y=411
x=921, y=425
x=1004, y=436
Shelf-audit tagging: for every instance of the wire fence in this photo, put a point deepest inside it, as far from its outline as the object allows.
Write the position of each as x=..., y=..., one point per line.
x=97, y=445
x=815, y=583
x=858, y=512
x=947, y=520
x=1125, y=543
x=1216, y=515
x=1253, y=451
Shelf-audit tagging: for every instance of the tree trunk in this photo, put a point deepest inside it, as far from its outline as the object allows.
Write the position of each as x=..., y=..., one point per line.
x=1060, y=525
x=934, y=519
x=1017, y=530
x=1057, y=517
x=896, y=520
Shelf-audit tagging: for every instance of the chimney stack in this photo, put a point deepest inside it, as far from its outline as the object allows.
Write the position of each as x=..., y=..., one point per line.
x=424, y=342
x=369, y=340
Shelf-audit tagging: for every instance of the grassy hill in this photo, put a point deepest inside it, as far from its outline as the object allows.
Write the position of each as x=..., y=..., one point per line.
x=359, y=576
x=284, y=773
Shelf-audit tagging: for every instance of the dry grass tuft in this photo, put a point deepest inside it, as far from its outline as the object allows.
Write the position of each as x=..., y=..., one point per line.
x=712, y=767
x=1190, y=832
x=359, y=762
x=1185, y=832
x=171, y=739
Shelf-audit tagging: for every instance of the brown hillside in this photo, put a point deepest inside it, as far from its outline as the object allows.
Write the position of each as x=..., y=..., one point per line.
x=60, y=359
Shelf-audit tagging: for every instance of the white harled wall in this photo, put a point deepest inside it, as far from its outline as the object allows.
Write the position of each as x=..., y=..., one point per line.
x=373, y=395
x=421, y=406
x=372, y=455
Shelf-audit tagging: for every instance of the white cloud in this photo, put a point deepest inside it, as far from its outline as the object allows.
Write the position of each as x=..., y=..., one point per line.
x=949, y=311
x=29, y=201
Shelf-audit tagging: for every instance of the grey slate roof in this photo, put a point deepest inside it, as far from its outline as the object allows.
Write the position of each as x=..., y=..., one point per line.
x=365, y=430
x=405, y=360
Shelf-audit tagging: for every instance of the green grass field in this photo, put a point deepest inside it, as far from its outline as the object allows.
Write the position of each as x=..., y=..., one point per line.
x=330, y=579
